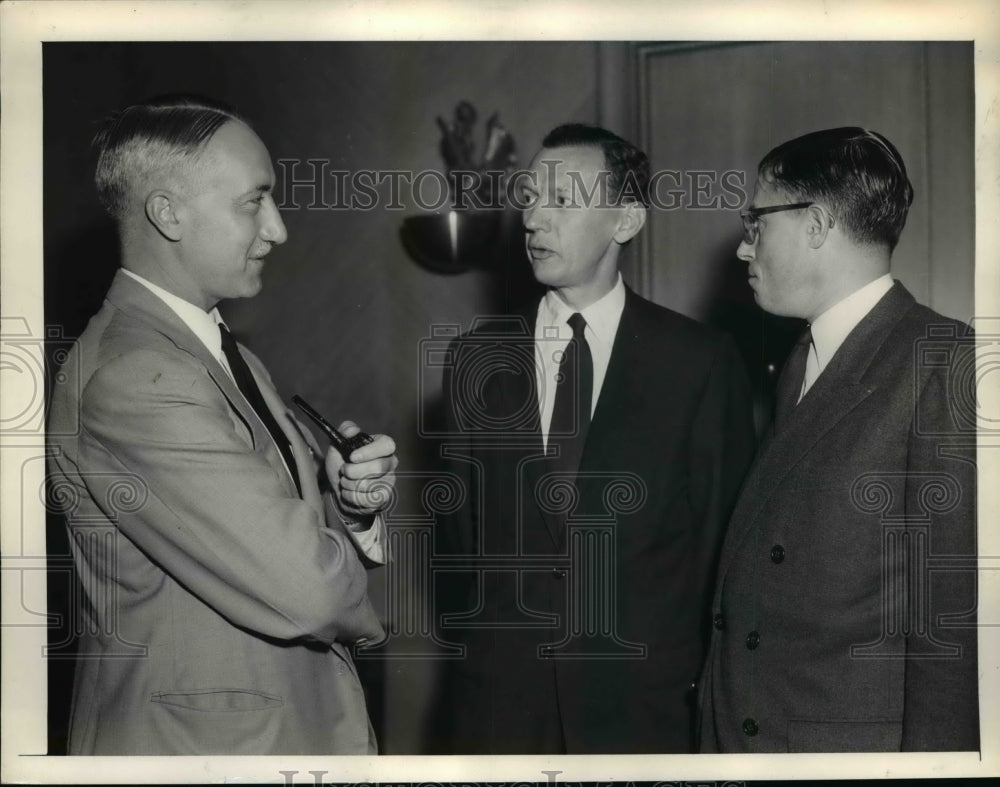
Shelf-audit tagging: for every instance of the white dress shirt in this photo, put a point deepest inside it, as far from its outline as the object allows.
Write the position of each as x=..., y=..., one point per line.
x=552, y=334
x=205, y=325
x=832, y=327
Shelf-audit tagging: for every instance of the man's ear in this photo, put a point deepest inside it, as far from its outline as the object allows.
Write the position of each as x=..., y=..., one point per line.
x=632, y=220
x=161, y=210
x=819, y=222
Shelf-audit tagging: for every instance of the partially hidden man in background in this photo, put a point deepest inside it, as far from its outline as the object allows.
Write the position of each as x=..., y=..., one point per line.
x=243, y=571
x=834, y=628
x=587, y=632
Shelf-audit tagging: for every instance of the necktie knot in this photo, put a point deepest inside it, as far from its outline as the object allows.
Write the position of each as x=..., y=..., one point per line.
x=578, y=324
x=228, y=342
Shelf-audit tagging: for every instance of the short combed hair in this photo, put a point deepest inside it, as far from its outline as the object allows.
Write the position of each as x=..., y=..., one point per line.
x=857, y=172
x=629, y=166
x=152, y=137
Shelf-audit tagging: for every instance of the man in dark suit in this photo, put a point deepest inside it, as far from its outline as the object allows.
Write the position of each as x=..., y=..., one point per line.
x=602, y=440
x=844, y=614
x=222, y=557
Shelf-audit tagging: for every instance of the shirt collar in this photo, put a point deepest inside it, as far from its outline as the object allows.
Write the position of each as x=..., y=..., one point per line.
x=204, y=325
x=602, y=316
x=832, y=327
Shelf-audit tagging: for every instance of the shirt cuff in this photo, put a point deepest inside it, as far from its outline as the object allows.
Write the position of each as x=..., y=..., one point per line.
x=369, y=538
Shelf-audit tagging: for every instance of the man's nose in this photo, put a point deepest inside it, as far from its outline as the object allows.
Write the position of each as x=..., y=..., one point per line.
x=272, y=228
x=745, y=251
x=533, y=218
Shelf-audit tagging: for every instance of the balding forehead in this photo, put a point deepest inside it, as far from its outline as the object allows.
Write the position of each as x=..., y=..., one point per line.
x=234, y=159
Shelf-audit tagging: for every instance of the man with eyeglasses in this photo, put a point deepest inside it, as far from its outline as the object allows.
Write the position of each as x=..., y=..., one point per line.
x=844, y=612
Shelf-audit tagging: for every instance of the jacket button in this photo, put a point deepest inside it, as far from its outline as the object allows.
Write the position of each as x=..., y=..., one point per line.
x=777, y=553
x=753, y=640
x=717, y=622
x=750, y=727
x=558, y=573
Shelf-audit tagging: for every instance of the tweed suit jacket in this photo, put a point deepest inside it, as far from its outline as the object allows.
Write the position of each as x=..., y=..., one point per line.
x=844, y=613
x=217, y=604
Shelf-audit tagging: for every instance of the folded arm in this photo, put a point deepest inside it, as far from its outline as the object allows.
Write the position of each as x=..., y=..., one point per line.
x=218, y=519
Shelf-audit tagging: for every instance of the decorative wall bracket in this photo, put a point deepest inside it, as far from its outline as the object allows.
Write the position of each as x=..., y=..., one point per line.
x=458, y=239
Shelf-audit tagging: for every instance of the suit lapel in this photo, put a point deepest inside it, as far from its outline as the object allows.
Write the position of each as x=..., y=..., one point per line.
x=790, y=382
x=624, y=365
x=514, y=390
x=136, y=300
x=842, y=386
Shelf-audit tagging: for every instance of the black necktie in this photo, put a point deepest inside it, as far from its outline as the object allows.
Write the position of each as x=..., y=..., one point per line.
x=790, y=382
x=574, y=390
x=248, y=387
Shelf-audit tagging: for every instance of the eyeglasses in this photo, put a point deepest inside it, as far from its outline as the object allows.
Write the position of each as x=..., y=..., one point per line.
x=750, y=216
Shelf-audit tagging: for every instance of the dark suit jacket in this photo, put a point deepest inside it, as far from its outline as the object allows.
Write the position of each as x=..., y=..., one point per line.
x=217, y=602
x=594, y=614
x=845, y=602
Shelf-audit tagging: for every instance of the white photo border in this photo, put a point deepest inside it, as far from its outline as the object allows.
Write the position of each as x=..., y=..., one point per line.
x=26, y=25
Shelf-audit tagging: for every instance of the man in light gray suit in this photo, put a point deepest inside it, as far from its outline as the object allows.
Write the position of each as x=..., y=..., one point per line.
x=844, y=612
x=222, y=556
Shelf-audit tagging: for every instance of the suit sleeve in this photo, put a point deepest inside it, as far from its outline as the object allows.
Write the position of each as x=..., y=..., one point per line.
x=722, y=446
x=216, y=518
x=940, y=710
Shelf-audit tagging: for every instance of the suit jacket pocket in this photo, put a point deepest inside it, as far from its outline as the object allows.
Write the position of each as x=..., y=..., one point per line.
x=219, y=700
x=837, y=736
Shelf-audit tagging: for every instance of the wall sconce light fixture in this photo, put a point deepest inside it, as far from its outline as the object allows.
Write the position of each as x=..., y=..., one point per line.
x=458, y=239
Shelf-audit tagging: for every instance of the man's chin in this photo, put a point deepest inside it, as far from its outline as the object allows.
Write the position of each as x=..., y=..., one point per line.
x=546, y=273
x=763, y=303
x=776, y=309
x=252, y=287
